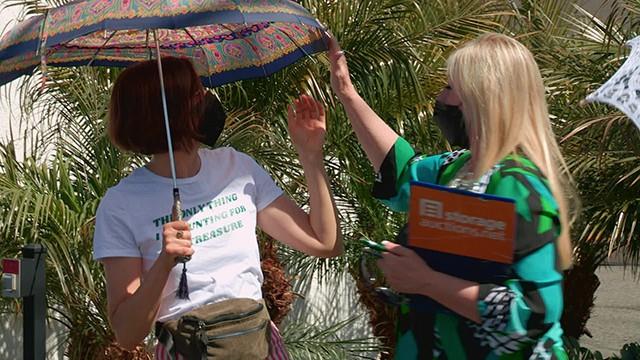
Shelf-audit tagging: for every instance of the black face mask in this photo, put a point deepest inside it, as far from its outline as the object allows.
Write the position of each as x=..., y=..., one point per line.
x=450, y=120
x=213, y=120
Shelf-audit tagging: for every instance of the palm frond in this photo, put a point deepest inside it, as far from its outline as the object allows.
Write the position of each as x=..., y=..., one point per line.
x=308, y=342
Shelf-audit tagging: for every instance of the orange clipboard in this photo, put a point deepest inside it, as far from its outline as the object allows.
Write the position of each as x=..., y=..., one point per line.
x=461, y=222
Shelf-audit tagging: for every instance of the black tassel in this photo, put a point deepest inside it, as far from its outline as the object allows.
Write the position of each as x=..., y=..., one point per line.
x=183, y=287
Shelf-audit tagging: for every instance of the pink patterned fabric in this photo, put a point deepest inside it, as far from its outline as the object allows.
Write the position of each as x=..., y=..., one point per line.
x=163, y=354
x=121, y=32
x=76, y=15
x=277, y=349
x=213, y=49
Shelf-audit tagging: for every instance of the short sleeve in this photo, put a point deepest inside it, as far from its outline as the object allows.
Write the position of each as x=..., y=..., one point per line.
x=113, y=236
x=266, y=189
x=401, y=166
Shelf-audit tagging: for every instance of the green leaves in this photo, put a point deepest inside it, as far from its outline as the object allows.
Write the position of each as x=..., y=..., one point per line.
x=577, y=53
x=51, y=196
x=309, y=342
x=396, y=51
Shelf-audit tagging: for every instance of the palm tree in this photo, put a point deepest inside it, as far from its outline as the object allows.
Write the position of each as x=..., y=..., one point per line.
x=577, y=52
x=50, y=197
x=396, y=51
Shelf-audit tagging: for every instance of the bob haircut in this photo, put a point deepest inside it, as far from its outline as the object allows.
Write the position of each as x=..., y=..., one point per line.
x=136, y=117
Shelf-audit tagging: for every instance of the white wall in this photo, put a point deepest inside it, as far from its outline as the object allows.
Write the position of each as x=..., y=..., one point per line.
x=9, y=110
x=327, y=302
x=10, y=324
x=11, y=338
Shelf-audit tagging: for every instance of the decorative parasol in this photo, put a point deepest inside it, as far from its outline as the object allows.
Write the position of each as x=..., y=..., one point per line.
x=623, y=89
x=226, y=40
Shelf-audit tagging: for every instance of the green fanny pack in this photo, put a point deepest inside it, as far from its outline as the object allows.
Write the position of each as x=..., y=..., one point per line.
x=229, y=329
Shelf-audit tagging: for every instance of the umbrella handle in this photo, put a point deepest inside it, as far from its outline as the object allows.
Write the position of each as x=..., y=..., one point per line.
x=176, y=215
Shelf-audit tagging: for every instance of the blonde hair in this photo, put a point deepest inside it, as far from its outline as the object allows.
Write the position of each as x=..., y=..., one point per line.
x=503, y=101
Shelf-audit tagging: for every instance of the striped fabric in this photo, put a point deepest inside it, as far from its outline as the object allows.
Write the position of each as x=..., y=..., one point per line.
x=277, y=349
x=163, y=354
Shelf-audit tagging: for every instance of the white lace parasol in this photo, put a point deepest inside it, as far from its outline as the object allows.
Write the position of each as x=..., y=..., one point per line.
x=623, y=89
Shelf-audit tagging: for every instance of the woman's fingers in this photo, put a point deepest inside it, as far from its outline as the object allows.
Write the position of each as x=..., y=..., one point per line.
x=177, y=239
x=179, y=225
x=178, y=245
x=306, y=112
x=302, y=110
x=320, y=108
x=311, y=106
x=321, y=119
x=177, y=232
x=335, y=52
x=179, y=250
x=396, y=249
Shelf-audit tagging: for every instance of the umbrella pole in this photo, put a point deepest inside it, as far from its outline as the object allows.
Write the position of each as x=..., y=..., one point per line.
x=176, y=211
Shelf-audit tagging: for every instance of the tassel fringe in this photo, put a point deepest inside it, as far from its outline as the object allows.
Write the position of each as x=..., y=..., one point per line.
x=183, y=287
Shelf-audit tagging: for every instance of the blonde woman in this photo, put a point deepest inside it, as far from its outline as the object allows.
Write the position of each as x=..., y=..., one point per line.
x=494, y=106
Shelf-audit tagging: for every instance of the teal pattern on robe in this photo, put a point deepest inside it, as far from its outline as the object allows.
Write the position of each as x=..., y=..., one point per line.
x=520, y=318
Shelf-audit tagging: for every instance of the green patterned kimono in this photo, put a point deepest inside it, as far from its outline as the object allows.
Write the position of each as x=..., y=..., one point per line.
x=520, y=317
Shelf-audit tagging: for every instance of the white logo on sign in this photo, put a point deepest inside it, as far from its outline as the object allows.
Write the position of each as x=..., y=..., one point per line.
x=431, y=208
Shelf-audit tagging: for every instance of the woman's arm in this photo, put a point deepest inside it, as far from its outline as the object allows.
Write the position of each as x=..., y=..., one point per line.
x=375, y=136
x=133, y=302
x=316, y=233
x=407, y=273
x=523, y=308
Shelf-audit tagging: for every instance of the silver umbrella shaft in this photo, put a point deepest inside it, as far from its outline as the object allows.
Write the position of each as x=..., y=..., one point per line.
x=176, y=211
x=167, y=127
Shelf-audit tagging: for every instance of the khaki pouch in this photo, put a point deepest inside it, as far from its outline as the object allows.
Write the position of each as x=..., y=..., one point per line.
x=229, y=329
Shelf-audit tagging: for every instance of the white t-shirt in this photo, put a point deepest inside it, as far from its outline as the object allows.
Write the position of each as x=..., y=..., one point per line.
x=220, y=203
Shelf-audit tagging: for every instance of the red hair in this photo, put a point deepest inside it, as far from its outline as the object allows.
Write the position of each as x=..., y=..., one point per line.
x=136, y=116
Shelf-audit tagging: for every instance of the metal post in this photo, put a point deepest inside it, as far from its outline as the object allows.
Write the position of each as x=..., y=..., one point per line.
x=35, y=306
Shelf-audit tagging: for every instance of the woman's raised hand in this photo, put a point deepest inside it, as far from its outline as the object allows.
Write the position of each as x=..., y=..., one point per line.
x=340, y=78
x=307, y=125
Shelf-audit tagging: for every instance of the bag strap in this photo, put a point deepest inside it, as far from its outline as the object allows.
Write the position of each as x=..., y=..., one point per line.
x=166, y=339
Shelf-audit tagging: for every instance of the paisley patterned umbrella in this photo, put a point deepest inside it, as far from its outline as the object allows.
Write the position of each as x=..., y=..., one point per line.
x=227, y=40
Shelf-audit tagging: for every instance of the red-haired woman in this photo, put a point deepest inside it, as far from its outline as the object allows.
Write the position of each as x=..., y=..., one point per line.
x=225, y=196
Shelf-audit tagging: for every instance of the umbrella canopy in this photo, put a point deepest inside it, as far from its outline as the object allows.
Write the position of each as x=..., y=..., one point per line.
x=623, y=89
x=226, y=40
